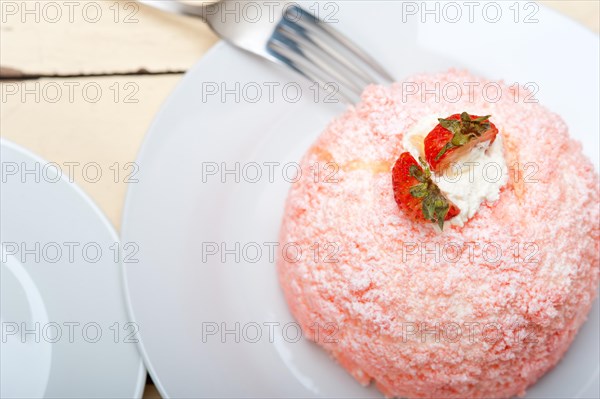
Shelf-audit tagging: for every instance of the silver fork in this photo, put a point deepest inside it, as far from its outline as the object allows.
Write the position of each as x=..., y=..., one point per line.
x=285, y=33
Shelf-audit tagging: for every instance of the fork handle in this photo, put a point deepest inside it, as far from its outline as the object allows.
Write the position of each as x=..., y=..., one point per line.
x=178, y=7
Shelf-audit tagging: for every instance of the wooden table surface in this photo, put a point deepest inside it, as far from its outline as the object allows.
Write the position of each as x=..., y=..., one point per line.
x=84, y=86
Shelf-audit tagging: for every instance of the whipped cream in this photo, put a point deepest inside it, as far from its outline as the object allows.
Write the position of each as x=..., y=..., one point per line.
x=476, y=177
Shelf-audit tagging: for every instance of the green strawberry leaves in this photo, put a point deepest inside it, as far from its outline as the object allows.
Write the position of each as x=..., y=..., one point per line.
x=434, y=205
x=463, y=130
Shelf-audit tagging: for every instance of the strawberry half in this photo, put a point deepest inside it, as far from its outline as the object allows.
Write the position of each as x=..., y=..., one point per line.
x=417, y=195
x=455, y=136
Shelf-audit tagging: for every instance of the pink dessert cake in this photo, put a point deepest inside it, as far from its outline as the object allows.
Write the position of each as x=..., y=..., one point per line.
x=426, y=282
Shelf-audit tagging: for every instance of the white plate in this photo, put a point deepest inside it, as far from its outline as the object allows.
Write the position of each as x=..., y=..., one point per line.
x=178, y=299
x=61, y=310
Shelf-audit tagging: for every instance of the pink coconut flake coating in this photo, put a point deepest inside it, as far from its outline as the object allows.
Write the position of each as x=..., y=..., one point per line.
x=464, y=325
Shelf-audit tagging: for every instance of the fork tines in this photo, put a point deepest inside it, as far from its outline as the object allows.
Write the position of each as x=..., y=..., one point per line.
x=322, y=54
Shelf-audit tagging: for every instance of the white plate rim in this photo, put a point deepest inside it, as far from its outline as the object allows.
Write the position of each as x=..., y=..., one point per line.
x=78, y=191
